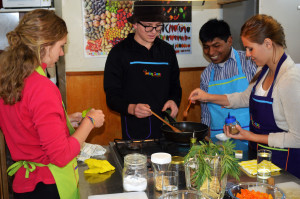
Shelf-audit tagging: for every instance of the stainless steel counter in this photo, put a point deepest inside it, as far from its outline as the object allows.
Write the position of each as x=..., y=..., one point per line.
x=111, y=182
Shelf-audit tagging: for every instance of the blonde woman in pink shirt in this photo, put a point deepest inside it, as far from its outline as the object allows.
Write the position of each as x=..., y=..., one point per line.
x=37, y=130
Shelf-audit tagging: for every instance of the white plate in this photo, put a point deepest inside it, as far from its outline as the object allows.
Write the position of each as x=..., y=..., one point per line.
x=222, y=137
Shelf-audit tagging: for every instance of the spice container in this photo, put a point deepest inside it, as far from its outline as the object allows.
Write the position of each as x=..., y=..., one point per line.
x=160, y=163
x=135, y=172
x=231, y=122
x=177, y=164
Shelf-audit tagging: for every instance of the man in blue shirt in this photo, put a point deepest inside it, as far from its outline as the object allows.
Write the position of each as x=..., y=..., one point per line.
x=230, y=71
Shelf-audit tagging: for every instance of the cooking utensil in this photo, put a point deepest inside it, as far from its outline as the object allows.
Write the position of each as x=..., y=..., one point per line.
x=185, y=113
x=187, y=128
x=172, y=127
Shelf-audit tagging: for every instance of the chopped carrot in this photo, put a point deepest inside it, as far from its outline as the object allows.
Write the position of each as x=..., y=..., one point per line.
x=246, y=194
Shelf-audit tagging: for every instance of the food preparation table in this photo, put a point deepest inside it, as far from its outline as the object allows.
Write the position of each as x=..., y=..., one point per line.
x=111, y=182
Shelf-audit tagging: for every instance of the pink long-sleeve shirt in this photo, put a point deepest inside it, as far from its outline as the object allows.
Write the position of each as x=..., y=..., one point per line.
x=35, y=130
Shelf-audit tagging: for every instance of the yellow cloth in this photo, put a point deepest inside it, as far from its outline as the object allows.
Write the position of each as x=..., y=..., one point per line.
x=93, y=178
x=250, y=166
x=98, y=166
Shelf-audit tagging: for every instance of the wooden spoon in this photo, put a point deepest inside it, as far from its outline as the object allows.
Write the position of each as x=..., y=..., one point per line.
x=164, y=121
x=185, y=113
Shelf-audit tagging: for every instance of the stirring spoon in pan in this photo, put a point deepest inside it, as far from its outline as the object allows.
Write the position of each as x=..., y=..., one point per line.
x=185, y=113
x=164, y=121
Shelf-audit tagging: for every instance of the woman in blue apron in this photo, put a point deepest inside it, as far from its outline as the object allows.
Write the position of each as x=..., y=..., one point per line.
x=37, y=130
x=273, y=95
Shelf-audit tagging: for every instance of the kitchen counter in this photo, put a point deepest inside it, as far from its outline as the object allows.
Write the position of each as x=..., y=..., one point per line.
x=111, y=182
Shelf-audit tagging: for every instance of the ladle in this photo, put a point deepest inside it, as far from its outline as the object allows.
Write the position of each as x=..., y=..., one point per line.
x=164, y=121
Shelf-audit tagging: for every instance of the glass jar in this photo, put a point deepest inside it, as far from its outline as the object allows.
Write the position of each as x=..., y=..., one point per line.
x=191, y=167
x=216, y=186
x=135, y=172
x=231, y=122
x=160, y=163
x=177, y=164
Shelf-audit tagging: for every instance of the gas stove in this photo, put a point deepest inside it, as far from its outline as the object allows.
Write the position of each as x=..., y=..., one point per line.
x=147, y=147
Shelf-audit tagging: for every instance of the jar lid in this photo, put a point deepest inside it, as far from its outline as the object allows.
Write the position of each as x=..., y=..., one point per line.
x=230, y=119
x=135, y=159
x=161, y=158
x=177, y=160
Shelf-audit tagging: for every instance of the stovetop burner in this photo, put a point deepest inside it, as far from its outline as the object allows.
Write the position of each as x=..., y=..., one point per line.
x=148, y=147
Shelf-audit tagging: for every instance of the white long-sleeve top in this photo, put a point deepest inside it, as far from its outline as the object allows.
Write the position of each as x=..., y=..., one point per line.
x=286, y=105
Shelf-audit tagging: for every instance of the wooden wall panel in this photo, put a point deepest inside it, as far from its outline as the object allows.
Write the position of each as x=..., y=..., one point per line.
x=85, y=90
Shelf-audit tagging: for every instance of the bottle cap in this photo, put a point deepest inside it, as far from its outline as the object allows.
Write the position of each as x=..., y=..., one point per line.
x=135, y=159
x=177, y=160
x=230, y=119
x=161, y=158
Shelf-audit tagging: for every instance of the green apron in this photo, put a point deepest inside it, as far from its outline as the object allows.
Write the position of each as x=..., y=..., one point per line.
x=66, y=178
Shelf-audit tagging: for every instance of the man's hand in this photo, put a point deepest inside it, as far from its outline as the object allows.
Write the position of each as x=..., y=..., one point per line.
x=199, y=95
x=139, y=110
x=172, y=105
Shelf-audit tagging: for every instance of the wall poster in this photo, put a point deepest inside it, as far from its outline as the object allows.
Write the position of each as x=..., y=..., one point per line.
x=105, y=24
x=177, y=29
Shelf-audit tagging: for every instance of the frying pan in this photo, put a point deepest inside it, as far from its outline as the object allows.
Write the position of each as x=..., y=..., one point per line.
x=187, y=128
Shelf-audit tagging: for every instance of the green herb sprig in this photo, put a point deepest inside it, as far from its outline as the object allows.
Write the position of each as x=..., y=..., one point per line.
x=204, y=151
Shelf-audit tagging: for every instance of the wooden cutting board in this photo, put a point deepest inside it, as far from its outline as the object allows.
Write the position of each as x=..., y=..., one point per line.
x=127, y=195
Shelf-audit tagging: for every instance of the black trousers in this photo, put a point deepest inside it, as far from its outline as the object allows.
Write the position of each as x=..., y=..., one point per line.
x=41, y=191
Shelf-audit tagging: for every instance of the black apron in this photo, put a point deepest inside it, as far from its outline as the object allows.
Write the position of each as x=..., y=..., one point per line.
x=262, y=121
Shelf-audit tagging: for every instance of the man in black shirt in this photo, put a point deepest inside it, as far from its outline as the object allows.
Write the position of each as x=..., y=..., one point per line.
x=142, y=74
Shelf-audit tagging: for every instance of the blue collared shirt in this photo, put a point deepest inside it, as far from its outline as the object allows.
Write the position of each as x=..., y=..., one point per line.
x=225, y=72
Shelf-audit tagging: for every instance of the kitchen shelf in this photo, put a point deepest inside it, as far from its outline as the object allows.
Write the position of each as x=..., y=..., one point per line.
x=9, y=10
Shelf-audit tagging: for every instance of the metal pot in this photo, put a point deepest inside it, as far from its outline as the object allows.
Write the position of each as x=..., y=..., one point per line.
x=188, y=128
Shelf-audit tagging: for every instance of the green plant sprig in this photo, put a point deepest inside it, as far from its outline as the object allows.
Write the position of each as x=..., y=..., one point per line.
x=204, y=151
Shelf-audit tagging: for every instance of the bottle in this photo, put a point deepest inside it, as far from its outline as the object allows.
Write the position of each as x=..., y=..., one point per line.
x=193, y=140
x=135, y=172
x=231, y=122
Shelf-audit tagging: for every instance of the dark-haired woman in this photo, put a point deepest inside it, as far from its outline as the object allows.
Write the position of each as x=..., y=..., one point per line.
x=273, y=96
x=37, y=130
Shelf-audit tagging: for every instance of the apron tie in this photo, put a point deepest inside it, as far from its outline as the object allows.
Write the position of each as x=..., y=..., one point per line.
x=277, y=149
x=29, y=166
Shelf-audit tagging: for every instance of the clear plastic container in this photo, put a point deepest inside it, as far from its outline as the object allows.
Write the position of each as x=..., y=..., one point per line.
x=232, y=122
x=135, y=172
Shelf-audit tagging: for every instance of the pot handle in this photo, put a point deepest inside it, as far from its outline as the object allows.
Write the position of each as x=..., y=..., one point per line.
x=167, y=115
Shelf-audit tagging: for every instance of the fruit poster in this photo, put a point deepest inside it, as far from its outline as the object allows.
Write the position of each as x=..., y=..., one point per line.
x=105, y=24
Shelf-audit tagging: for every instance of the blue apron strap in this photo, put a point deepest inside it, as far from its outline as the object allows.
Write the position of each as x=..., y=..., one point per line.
x=212, y=74
x=238, y=61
